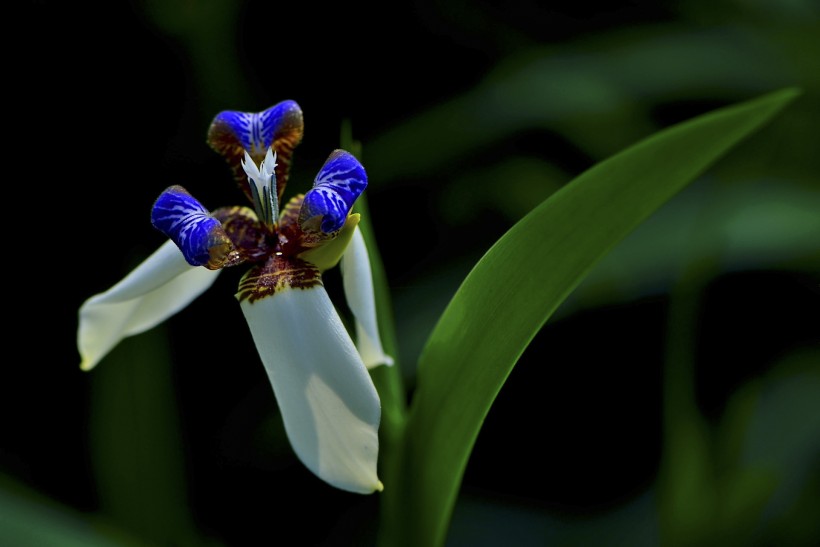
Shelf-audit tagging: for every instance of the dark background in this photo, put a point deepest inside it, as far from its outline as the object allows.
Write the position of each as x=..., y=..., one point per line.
x=469, y=115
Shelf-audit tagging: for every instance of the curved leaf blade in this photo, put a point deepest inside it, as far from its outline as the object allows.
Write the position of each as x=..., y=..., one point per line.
x=515, y=288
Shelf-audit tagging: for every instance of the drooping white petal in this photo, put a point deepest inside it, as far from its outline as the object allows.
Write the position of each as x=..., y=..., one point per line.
x=329, y=404
x=158, y=288
x=358, y=285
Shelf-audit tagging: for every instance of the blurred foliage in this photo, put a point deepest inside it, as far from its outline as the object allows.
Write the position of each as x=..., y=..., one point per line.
x=515, y=288
x=469, y=115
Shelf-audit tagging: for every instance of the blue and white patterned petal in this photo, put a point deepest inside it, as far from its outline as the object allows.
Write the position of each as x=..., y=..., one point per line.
x=338, y=185
x=255, y=131
x=233, y=134
x=199, y=236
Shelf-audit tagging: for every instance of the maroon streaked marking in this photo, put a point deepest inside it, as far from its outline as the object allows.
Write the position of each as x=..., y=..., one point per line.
x=277, y=274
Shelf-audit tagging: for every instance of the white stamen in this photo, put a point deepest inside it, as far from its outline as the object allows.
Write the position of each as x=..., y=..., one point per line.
x=263, y=187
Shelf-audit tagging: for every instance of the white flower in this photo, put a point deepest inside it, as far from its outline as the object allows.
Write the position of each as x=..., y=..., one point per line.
x=328, y=402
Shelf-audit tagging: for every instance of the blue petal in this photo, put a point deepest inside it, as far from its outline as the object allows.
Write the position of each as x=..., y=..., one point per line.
x=255, y=131
x=339, y=183
x=233, y=133
x=199, y=236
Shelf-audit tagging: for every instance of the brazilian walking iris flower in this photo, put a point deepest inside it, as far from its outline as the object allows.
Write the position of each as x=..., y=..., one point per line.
x=327, y=399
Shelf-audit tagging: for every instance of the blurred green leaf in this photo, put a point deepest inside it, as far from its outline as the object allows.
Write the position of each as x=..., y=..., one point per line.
x=598, y=93
x=136, y=443
x=28, y=519
x=761, y=224
x=208, y=30
x=516, y=286
x=480, y=521
x=782, y=439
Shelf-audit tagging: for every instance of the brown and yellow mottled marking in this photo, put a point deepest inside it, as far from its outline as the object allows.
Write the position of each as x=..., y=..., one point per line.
x=277, y=274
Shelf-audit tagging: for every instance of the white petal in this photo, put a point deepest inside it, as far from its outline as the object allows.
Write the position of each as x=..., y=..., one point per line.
x=358, y=285
x=269, y=165
x=329, y=404
x=252, y=170
x=158, y=288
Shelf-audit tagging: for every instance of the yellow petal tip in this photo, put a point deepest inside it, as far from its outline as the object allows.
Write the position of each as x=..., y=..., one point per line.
x=379, y=486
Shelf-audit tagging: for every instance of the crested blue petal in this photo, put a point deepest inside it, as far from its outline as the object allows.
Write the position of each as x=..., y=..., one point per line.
x=338, y=185
x=255, y=131
x=233, y=134
x=199, y=236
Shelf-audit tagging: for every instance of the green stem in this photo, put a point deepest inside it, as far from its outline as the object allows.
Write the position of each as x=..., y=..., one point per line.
x=388, y=380
x=686, y=484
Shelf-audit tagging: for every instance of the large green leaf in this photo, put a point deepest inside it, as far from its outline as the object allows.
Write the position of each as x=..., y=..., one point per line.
x=514, y=289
